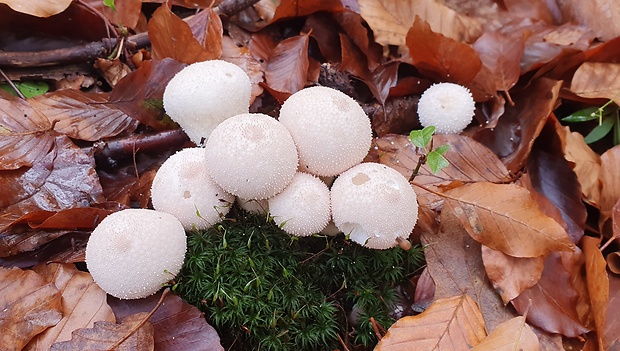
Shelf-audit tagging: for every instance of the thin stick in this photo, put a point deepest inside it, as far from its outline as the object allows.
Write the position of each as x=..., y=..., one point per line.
x=19, y=93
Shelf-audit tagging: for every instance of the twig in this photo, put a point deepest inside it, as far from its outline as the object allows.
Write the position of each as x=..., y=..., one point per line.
x=19, y=93
x=379, y=331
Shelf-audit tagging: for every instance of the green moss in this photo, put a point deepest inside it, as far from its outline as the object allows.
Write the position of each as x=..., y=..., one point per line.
x=262, y=289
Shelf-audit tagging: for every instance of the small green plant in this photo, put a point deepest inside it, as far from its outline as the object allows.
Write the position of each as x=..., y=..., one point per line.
x=423, y=139
x=110, y=4
x=265, y=290
x=28, y=89
x=608, y=117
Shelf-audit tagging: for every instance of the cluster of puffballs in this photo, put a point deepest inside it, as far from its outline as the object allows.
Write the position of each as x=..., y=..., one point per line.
x=303, y=169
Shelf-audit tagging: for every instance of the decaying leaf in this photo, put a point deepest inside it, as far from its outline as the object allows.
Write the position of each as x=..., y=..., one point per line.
x=598, y=283
x=287, y=67
x=597, y=80
x=38, y=8
x=501, y=54
x=602, y=16
x=28, y=306
x=448, y=324
x=587, y=166
x=610, y=182
x=511, y=335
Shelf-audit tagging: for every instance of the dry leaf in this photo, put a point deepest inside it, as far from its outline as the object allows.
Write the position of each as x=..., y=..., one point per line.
x=38, y=8
x=287, y=67
x=28, y=306
x=501, y=54
x=610, y=181
x=602, y=16
x=511, y=335
x=390, y=20
x=611, y=332
x=449, y=324
x=587, y=166
x=506, y=218
x=598, y=283
x=597, y=80
x=242, y=57
x=83, y=303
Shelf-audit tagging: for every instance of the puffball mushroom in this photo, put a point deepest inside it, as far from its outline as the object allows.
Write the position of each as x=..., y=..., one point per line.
x=251, y=156
x=375, y=205
x=131, y=253
x=203, y=94
x=447, y=106
x=183, y=188
x=330, y=129
x=303, y=208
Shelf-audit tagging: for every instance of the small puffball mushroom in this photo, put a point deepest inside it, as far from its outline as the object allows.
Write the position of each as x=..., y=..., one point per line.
x=260, y=207
x=303, y=208
x=251, y=156
x=131, y=253
x=330, y=129
x=204, y=94
x=183, y=188
x=447, y=106
x=375, y=205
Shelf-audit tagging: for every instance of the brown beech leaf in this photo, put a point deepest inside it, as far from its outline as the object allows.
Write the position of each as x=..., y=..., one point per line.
x=287, y=66
x=390, y=20
x=501, y=54
x=177, y=325
x=448, y=324
x=139, y=94
x=84, y=116
x=29, y=305
x=602, y=16
x=597, y=282
x=242, y=57
x=610, y=182
x=106, y=334
x=207, y=28
x=506, y=218
x=83, y=303
x=587, y=165
x=511, y=275
x=171, y=37
x=299, y=8
x=25, y=133
x=611, y=332
x=511, y=335
x=64, y=178
x=597, y=80
x=36, y=8
x=553, y=303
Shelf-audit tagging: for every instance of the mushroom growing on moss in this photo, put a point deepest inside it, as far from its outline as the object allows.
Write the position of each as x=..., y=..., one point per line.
x=303, y=208
x=131, y=253
x=330, y=129
x=251, y=156
x=204, y=94
x=183, y=188
x=375, y=205
x=447, y=106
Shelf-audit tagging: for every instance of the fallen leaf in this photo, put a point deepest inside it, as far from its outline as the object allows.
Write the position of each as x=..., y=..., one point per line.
x=390, y=20
x=501, y=54
x=106, y=334
x=36, y=8
x=506, y=218
x=602, y=16
x=287, y=67
x=299, y=8
x=511, y=275
x=610, y=182
x=25, y=134
x=29, y=306
x=597, y=80
x=597, y=282
x=553, y=302
x=611, y=331
x=83, y=303
x=242, y=57
x=511, y=335
x=207, y=28
x=587, y=165
x=83, y=116
x=448, y=324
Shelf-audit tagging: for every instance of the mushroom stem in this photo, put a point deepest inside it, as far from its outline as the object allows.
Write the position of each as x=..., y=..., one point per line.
x=403, y=243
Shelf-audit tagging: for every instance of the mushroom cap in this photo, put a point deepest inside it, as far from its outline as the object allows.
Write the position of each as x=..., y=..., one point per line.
x=447, y=106
x=203, y=94
x=251, y=156
x=330, y=129
x=131, y=253
x=303, y=208
x=374, y=205
x=183, y=188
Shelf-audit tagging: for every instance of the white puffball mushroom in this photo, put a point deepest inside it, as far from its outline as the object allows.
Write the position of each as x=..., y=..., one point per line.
x=303, y=207
x=330, y=129
x=131, y=253
x=260, y=207
x=251, y=156
x=183, y=188
x=447, y=106
x=375, y=205
x=203, y=94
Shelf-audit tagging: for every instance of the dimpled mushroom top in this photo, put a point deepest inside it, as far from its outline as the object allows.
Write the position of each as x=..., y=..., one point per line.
x=447, y=106
x=251, y=156
x=375, y=205
x=183, y=188
x=330, y=129
x=303, y=208
x=133, y=252
x=204, y=94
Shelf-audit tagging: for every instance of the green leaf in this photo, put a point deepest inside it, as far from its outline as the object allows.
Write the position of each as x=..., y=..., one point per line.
x=442, y=149
x=421, y=138
x=584, y=115
x=617, y=130
x=436, y=161
x=28, y=89
x=600, y=131
x=110, y=4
